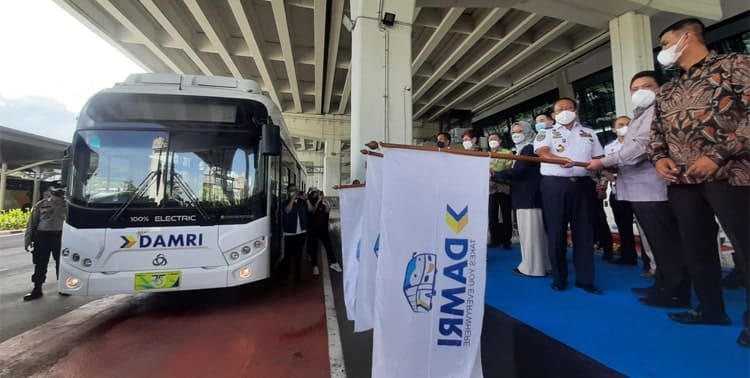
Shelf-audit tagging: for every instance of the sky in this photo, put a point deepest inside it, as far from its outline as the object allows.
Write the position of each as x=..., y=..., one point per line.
x=51, y=64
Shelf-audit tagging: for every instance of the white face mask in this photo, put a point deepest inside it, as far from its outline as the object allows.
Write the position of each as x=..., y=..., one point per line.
x=494, y=144
x=467, y=145
x=668, y=57
x=565, y=117
x=643, y=98
x=518, y=138
x=622, y=131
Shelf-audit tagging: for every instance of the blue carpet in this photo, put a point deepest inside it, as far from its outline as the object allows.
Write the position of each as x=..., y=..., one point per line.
x=614, y=329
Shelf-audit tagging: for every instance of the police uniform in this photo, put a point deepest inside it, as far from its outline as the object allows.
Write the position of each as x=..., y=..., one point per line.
x=44, y=230
x=568, y=196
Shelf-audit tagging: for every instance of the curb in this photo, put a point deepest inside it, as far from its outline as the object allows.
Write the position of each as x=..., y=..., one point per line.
x=11, y=232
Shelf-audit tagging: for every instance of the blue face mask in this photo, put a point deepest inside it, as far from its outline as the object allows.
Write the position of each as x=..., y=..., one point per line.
x=540, y=126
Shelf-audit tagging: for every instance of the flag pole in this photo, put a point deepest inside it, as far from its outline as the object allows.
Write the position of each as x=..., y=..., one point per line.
x=349, y=186
x=493, y=155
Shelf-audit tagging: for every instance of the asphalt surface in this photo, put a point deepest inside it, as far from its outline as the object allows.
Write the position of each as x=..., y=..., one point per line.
x=16, y=268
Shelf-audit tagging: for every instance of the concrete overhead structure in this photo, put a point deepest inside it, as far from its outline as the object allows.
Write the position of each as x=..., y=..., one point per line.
x=476, y=55
x=29, y=154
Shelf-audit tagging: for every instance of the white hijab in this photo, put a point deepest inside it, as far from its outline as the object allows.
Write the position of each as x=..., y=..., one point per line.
x=528, y=134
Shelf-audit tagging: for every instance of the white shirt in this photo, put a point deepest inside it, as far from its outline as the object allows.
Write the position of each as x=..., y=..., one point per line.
x=612, y=148
x=578, y=144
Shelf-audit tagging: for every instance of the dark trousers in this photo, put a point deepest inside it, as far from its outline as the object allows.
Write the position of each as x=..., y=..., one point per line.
x=293, y=255
x=312, y=246
x=694, y=207
x=660, y=226
x=602, y=233
x=45, y=243
x=623, y=213
x=567, y=200
x=500, y=233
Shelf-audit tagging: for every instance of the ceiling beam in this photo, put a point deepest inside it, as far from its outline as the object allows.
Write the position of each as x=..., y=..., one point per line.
x=492, y=17
x=544, y=69
x=512, y=34
x=213, y=36
x=319, y=27
x=249, y=24
x=140, y=27
x=282, y=27
x=547, y=37
x=179, y=33
x=337, y=14
x=346, y=92
x=437, y=36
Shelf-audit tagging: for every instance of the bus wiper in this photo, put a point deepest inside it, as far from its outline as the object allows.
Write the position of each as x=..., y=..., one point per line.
x=189, y=193
x=139, y=191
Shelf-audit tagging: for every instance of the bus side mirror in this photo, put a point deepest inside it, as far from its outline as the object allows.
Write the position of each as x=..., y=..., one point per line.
x=66, y=164
x=271, y=140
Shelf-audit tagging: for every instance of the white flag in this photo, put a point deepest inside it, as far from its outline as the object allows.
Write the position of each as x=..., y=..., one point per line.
x=370, y=248
x=429, y=303
x=352, y=203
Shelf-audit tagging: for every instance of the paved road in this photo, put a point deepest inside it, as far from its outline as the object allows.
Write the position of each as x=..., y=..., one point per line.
x=17, y=316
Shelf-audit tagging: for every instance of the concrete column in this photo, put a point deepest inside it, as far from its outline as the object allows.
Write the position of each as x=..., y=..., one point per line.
x=564, y=88
x=35, y=194
x=381, y=76
x=3, y=178
x=630, y=39
x=332, y=166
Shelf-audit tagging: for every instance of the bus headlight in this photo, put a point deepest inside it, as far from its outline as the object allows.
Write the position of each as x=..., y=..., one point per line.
x=234, y=255
x=72, y=282
x=65, y=252
x=75, y=257
x=87, y=262
x=259, y=244
x=246, y=249
x=244, y=272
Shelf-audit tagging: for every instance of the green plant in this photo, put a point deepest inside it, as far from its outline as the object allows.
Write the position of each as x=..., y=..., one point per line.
x=14, y=219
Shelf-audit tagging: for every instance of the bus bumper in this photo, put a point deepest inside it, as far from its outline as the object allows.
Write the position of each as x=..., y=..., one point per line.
x=75, y=281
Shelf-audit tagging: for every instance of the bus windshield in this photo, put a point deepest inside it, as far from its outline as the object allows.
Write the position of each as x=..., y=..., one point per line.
x=169, y=167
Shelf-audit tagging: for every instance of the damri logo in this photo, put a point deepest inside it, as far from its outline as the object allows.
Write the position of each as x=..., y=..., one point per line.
x=163, y=241
x=454, y=324
x=419, y=281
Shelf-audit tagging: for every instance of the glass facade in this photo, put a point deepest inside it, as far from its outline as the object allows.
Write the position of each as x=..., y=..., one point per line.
x=526, y=111
x=596, y=103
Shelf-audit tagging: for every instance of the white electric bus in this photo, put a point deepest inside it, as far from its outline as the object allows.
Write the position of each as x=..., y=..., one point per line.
x=175, y=183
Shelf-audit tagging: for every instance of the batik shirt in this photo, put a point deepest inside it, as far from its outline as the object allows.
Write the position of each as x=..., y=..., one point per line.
x=705, y=112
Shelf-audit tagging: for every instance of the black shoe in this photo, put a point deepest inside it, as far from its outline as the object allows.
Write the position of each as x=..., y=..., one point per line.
x=60, y=293
x=744, y=338
x=665, y=302
x=697, y=317
x=622, y=261
x=34, y=294
x=589, y=289
x=643, y=290
x=559, y=286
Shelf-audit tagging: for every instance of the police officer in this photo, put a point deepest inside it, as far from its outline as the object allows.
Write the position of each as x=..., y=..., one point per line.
x=568, y=194
x=43, y=236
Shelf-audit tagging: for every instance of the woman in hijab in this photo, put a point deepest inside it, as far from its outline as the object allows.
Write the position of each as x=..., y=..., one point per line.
x=527, y=201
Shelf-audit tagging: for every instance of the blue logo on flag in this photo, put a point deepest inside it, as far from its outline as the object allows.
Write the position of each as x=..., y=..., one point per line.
x=419, y=281
x=376, y=249
x=359, y=248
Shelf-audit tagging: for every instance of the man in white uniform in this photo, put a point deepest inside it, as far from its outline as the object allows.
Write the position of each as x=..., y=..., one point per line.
x=568, y=194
